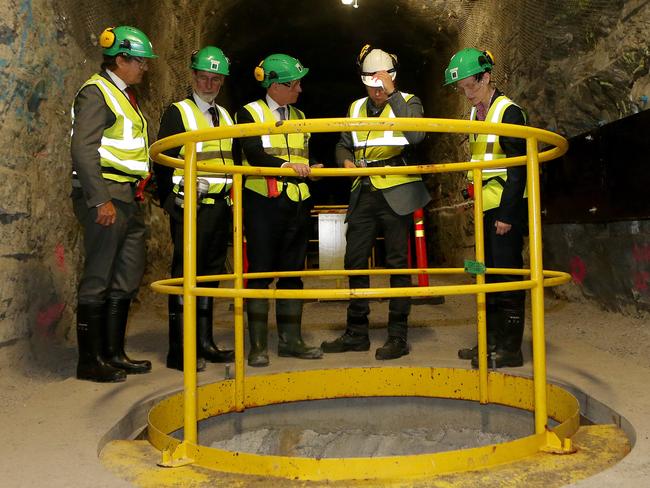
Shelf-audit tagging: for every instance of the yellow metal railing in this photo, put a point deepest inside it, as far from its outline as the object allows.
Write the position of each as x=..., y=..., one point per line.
x=535, y=279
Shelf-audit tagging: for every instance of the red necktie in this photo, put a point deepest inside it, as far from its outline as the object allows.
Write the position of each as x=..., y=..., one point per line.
x=131, y=94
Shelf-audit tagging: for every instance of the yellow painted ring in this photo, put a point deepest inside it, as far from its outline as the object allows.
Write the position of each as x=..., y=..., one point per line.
x=174, y=286
x=219, y=398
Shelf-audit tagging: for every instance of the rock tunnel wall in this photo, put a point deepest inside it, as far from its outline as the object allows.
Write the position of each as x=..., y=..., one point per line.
x=572, y=64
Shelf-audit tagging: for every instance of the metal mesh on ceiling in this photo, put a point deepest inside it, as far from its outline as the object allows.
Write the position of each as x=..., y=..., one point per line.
x=515, y=31
x=530, y=26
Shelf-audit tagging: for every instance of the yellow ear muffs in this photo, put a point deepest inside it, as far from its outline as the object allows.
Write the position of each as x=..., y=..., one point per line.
x=107, y=38
x=489, y=57
x=395, y=62
x=259, y=72
x=363, y=53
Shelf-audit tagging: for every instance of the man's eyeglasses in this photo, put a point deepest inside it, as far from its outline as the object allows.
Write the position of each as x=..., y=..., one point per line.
x=291, y=84
x=143, y=62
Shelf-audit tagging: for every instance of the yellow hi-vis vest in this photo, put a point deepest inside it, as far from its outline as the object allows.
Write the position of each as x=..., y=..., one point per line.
x=124, y=148
x=216, y=151
x=486, y=147
x=289, y=147
x=379, y=145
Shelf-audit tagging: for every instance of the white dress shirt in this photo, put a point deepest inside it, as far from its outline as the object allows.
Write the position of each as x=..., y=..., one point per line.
x=204, y=107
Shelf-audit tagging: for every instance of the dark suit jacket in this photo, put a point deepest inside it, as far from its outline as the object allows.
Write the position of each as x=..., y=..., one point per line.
x=171, y=123
x=92, y=117
x=403, y=199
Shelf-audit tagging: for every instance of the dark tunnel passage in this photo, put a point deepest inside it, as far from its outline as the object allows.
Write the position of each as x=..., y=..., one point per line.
x=327, y=36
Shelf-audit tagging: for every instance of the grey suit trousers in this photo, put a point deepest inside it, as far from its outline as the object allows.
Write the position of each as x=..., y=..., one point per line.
x=114, y=255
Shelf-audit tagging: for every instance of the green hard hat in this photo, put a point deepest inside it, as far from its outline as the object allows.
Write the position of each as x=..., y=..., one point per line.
x=126, y=40
x=210, y=59
x=468, y=62
x=279, y=68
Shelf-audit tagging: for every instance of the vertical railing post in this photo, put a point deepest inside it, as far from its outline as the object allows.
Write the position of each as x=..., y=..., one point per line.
x=189, y=298
x=477, y=176
x=537, y=291
x=237, y=246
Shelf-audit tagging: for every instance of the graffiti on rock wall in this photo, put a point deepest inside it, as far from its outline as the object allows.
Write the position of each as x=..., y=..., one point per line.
x=59, y=256
x=47, y=319
x=578, y=269
x=641, y=256
x=641, y=253
x=23, y=89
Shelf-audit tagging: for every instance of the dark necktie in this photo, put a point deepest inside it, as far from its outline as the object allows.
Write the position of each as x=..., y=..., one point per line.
x=130, y=92
x=271, y=181
x=215, y=117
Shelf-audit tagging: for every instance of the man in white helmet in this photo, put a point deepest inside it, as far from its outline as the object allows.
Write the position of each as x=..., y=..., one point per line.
x=379, y=203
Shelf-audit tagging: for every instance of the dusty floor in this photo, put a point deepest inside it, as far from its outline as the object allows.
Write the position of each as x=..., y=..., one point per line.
x=53, y=426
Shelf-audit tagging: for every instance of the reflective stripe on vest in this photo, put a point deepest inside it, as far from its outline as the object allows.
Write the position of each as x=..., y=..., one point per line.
x=292, y=148
x=486, y=147
x=379, y=145
x=215, y=151
x=124, y=147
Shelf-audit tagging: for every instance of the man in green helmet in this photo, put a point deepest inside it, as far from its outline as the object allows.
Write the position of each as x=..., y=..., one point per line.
x=276, y=210
x=504, y=202
x=379, y=203
x=198, y=111
x=110, y=158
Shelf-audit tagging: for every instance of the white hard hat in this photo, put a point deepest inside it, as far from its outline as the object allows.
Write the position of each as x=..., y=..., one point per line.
x=377, y=60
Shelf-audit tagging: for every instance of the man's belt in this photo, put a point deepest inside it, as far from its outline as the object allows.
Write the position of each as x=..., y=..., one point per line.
x=395, y=161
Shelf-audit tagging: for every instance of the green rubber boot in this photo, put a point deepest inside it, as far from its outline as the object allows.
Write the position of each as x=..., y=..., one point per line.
x=257, y=310
x=290, y=344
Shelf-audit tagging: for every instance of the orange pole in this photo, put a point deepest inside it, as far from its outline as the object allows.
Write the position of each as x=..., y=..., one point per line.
x=420, y=246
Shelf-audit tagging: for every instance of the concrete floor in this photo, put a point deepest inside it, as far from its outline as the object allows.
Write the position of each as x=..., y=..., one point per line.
x=54, y=426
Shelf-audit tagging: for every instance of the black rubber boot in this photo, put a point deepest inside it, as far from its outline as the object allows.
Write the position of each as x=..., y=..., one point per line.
x=472, y=352
x=175, y=354
x=117, y=314
x=91, y=365
x=206, y=348
x=355, y=337
x=507, y=353
x=257, y=310
x=288, y=315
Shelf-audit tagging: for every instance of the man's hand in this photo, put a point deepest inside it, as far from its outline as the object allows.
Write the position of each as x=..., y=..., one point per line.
x=106, y=214
x=301, y=170
x=317, y=165
x=502, y=228
x=349, y=164
x=386, y=81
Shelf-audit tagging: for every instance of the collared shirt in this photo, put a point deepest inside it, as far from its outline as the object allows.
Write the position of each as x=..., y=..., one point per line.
x=204, y=107
x=273, y=106
x=118, y=82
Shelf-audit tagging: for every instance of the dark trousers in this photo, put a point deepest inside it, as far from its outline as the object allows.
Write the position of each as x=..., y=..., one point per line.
x=504, y=251
x=114, y=255
x=277, y=233
x=370, y=215
x=212, y=235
